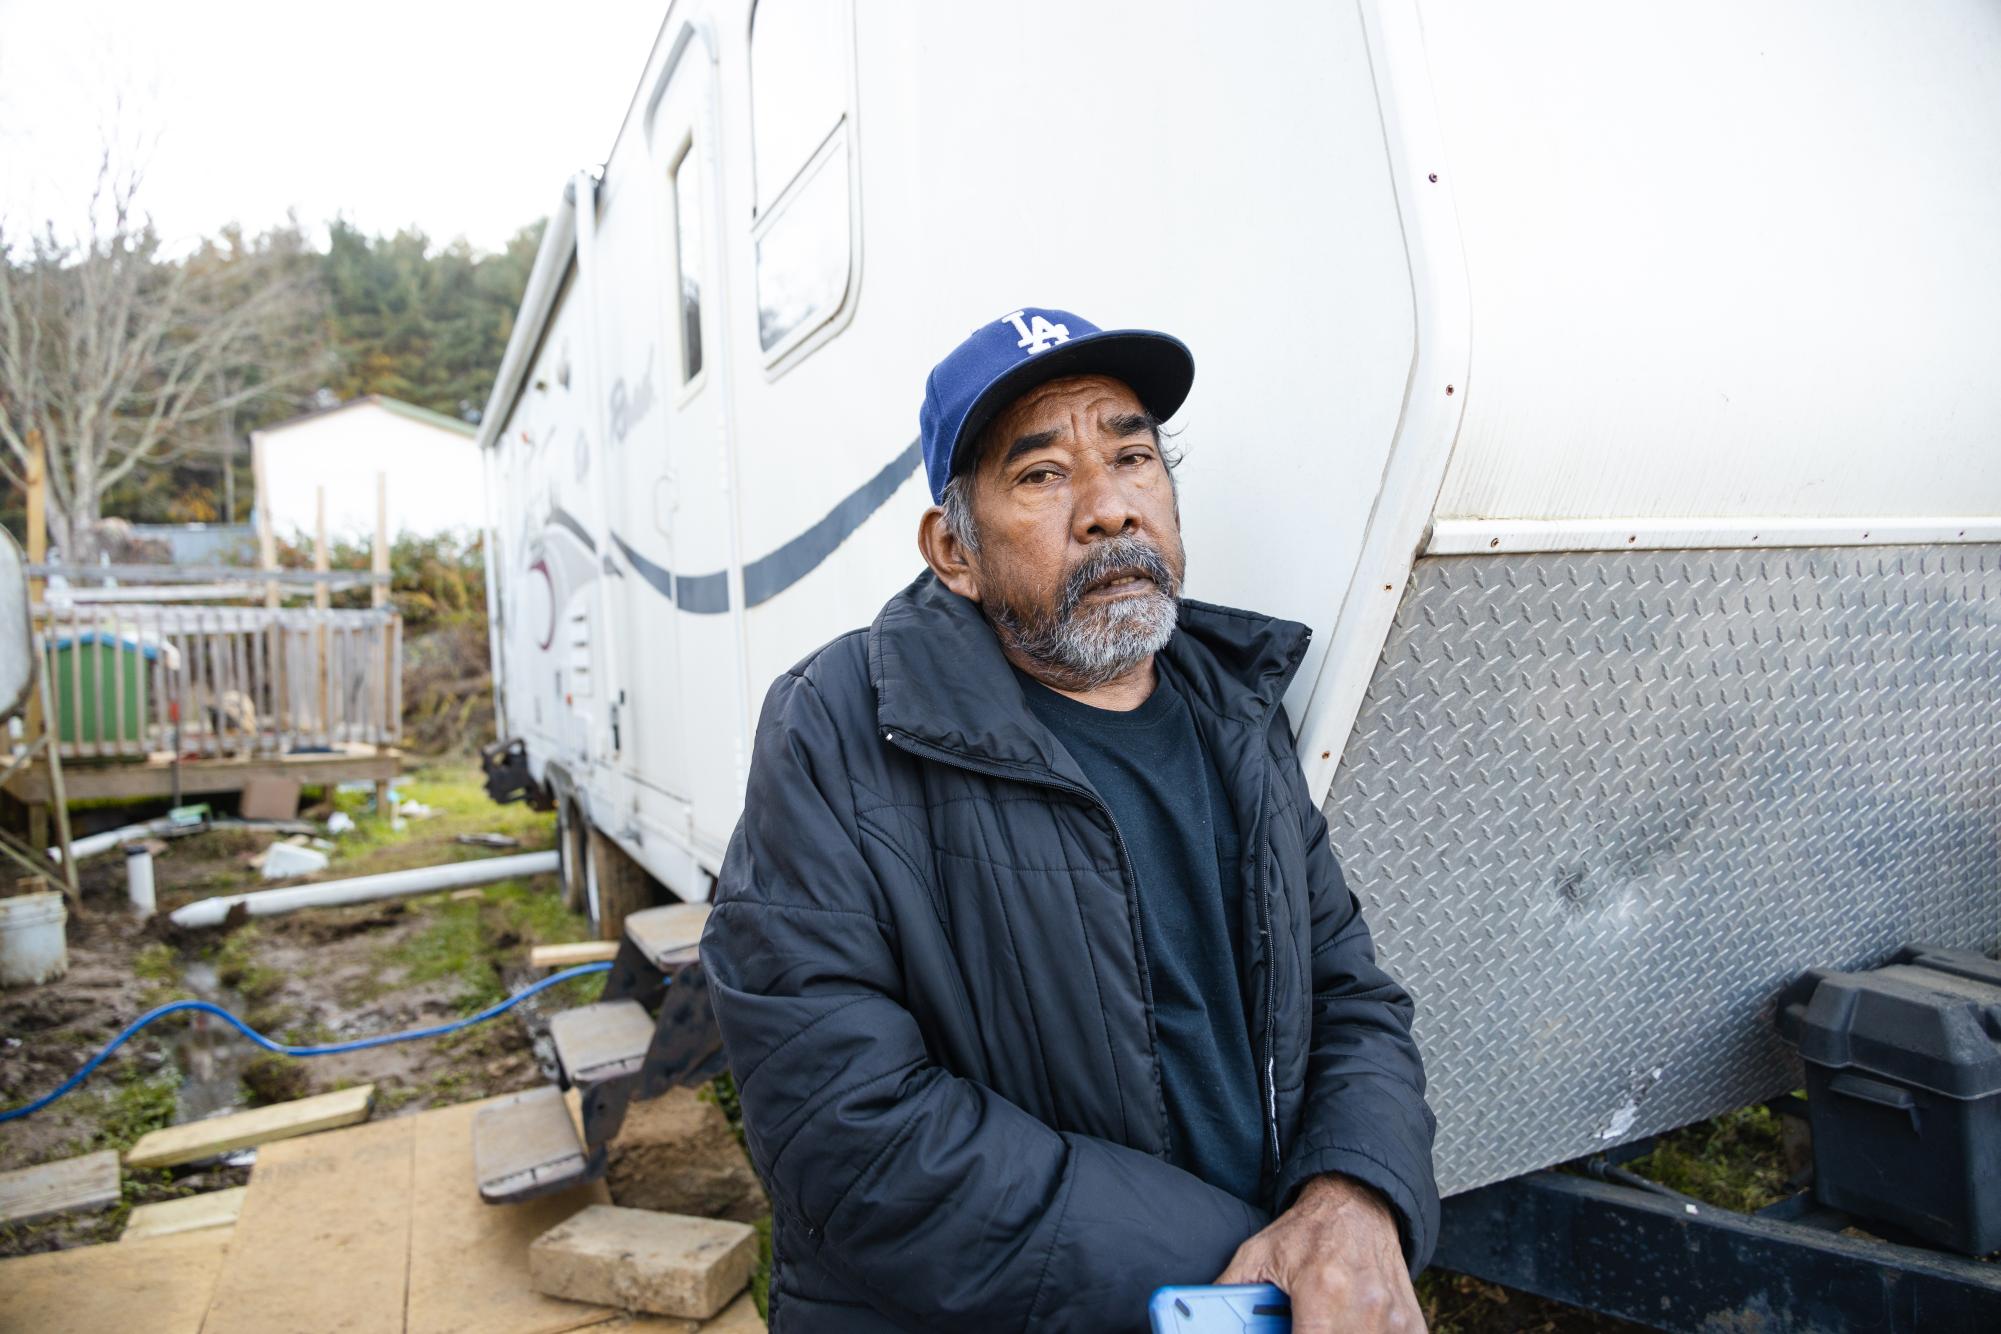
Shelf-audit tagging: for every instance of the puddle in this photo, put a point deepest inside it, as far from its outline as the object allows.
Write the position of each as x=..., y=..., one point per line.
x=210, y=1052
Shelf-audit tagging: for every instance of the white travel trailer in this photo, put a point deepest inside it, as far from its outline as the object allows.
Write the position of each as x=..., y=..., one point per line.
x=1610, y=388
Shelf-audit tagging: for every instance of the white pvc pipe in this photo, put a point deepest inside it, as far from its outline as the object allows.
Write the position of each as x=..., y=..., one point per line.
x=367, y=888
x=111, y=838
x=139, y=879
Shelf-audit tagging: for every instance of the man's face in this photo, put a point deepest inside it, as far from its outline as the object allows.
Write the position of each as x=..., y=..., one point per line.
x=1080, y=558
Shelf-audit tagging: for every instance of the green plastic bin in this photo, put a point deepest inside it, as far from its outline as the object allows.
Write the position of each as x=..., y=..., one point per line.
x=109, y=674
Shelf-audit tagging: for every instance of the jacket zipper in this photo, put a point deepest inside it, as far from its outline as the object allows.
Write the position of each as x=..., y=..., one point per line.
x=928, y=750
x=1271, y=1010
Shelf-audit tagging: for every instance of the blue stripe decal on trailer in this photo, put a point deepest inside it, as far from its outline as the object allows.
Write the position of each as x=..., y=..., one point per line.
x=769, y=575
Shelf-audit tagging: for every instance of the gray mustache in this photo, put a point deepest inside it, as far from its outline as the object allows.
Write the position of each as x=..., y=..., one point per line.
x=1117, y=558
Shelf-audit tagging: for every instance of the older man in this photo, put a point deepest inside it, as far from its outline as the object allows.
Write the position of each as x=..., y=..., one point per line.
x=1039, y=979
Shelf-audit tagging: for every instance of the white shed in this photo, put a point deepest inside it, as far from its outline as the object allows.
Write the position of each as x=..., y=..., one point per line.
x=431, y=460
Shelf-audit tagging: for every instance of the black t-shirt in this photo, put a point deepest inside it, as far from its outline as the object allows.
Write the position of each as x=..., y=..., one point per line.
x=1173, y=811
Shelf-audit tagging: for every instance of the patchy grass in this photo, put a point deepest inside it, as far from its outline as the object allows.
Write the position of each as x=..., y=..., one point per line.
x=722, y=1092
x=270, y=1077
x=142, y=1102
x=450, y=946
x=238, y=967
x=472, y=940
x=760, y=1277
x=456, y=794
x=1735, y=1161
x=157, y=963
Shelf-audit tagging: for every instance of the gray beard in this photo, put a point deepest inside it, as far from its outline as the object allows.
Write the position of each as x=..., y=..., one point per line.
x=1082, y=647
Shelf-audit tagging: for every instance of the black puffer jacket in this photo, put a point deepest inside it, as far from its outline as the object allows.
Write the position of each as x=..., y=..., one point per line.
x=926, y=963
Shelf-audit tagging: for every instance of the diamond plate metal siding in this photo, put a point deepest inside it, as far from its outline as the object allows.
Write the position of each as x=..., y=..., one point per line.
x=1599, y=807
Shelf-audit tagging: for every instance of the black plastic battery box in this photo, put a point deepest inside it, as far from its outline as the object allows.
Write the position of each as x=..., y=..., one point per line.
x=1903, y=1078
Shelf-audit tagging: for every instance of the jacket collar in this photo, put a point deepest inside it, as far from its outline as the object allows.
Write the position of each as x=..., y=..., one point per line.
x=940, y=677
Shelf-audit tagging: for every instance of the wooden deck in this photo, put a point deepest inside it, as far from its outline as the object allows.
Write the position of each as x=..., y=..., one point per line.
x=154, y=775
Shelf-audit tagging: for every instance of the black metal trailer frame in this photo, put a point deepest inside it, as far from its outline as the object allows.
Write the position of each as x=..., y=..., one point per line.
x=1620, y=1245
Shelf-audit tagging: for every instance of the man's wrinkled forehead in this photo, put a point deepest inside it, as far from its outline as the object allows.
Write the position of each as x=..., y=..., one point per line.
x=1050, y=413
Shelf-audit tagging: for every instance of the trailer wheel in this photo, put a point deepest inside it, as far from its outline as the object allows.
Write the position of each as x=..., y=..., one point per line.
x=572, y=854
x=615, y=885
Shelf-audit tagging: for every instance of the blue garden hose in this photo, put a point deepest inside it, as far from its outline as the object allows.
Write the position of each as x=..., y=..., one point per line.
x=286, y=1049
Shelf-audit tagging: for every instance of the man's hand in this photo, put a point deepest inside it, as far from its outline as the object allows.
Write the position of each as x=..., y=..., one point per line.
x=1336, y=1254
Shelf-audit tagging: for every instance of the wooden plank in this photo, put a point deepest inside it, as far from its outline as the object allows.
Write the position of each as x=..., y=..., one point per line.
x=191, y=1213
x=162, y=1286
x=154, y=776
x=323, y=1241
x=469, y=1260
x=89, y=1182
x=569, y=956
x=260, y=1125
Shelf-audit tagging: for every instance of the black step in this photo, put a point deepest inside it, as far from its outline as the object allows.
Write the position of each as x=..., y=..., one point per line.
x=526, y=1146
x=602, y=1042
x=668, y=935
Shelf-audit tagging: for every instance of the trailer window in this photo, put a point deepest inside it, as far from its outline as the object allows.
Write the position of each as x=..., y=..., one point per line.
x=800, y=130
x=688, y=259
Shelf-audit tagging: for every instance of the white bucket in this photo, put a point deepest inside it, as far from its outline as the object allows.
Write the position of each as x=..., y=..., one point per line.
x=33, y=948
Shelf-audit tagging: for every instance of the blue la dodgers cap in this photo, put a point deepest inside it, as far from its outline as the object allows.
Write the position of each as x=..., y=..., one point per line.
x=1005, y=358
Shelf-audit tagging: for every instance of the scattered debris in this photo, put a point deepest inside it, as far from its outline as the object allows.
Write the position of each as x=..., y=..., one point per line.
x=462, y=895
x=60, y=1187
x=484, y=840
x=261, y=1125
x=188, y=817
x=569, y=956
x=281, y=860
x=267, y=797
x=340, y=822
x=415, y=810
x=666, y=1264
x=192, y=1213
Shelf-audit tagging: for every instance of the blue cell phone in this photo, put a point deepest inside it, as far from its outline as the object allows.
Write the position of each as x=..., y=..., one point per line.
x=1236, y=1308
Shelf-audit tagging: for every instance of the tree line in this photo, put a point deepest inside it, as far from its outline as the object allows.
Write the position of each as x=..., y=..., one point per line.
x=143, y=372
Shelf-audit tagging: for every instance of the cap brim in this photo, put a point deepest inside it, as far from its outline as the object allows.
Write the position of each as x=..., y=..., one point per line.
x=1158, y=368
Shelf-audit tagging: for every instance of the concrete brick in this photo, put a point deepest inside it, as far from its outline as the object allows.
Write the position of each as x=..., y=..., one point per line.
x=667, y=1264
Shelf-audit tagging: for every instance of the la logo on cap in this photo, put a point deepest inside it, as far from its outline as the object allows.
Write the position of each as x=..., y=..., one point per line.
x=1038, y=334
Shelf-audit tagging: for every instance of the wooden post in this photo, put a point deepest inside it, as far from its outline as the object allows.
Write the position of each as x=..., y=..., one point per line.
x=322, y=600
x=267, y=542
x=379, y=597
x=38, y=551
x=379, y=594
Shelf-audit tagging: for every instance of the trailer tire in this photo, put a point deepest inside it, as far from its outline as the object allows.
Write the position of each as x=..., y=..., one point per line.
x=572, y=852
x=617, y=885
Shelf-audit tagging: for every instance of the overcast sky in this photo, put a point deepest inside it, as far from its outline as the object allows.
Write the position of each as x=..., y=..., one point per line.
x=462, y=119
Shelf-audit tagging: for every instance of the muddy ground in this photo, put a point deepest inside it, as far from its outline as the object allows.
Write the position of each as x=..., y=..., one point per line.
x=325, y=975
x=315, y=976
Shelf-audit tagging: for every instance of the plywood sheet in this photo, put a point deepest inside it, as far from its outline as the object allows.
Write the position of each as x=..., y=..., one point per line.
x=325, y=1229
x=468, y=1259
x=89, y=1182
x=161, y=1286
x=192, y=1213
x=260, y=1125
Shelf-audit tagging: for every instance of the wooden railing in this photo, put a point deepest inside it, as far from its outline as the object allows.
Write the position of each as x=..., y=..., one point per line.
x=132, y=679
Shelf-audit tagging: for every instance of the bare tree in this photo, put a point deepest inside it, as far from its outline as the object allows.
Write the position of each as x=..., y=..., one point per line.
x=120, y=357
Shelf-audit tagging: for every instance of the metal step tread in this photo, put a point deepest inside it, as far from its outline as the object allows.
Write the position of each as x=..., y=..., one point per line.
x=527, y=1146
x=670, y=934
x=602, y=1041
